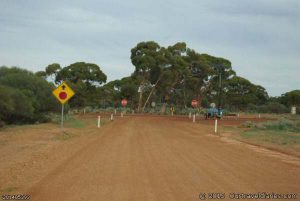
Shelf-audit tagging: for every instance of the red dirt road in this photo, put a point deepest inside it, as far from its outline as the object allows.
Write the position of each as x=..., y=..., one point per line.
x=155, y=158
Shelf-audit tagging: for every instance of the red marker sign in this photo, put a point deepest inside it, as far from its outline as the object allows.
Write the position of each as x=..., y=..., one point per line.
x=194, y=103
x=124, y=102
x=63, y=95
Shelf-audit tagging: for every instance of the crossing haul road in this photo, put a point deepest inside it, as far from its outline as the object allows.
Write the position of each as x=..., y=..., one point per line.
x=157, y=158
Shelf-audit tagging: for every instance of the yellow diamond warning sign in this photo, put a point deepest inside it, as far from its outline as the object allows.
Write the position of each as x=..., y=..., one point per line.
x=63, y=93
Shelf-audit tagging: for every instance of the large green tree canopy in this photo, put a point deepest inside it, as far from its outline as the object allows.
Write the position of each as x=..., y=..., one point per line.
x=88, y=73
x=291, y=98
x=240, y=92
x=84, y=79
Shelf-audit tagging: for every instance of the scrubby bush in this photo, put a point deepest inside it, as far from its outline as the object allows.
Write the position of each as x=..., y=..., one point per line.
x=280, y=125
x=2, y=123
x=24, y=96
x=274, y=107
x=283, y=125
x=249, y=124
x=271, y=107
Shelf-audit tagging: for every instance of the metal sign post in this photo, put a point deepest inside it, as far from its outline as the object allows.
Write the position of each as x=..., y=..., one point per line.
x=63, y=93
x=62, y=117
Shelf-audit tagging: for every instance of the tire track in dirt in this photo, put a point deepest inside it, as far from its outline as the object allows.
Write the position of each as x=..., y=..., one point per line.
x=154, y=158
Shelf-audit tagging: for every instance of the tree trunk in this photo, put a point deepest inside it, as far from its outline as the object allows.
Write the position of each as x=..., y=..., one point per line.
x=140, y=100
x=173, y=84
x=184, y=96
x=151, y=92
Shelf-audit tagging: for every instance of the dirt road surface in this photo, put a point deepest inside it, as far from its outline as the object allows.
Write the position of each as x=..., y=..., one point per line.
x=159, y=159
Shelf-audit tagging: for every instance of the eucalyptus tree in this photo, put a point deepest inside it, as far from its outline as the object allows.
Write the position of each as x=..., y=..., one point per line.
x=145, y=57
x=84, y=78
x=198, y=79
x=52, y=70
x=220, y=72
x=174, y=72
x=88, y=73
x=240, y=92
x=291, y=98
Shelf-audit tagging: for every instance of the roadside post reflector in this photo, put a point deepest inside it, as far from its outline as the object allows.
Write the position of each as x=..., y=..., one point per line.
x=99, y=121
x=216, y=126
x=194, y=118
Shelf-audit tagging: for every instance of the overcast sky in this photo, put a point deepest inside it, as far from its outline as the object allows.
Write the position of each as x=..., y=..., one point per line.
x=260, y=37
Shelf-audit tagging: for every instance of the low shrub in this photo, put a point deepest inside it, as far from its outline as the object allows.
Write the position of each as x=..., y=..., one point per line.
x=271, y=107
x=249, y=124
x=283, y=125
x=2, y=124
x=280, y=125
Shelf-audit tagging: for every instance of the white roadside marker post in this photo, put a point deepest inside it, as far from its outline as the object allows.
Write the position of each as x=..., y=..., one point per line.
x=112, y=117
x=194, y=118
x=122, y=114
x=99, y=121
x=216, y=126
x=259, y=116
x=190, y=115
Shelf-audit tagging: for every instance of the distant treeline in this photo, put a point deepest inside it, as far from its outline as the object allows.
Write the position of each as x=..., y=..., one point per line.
x=170, y=76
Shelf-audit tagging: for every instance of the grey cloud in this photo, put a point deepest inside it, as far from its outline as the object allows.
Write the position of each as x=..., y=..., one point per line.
x=260, y=37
